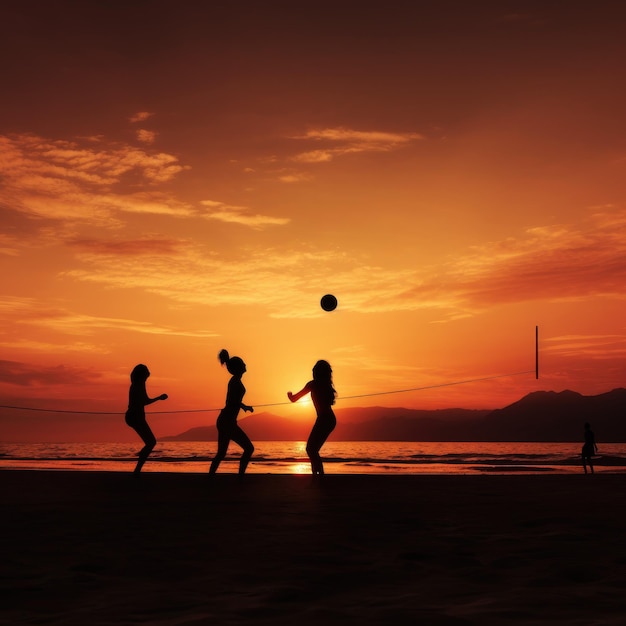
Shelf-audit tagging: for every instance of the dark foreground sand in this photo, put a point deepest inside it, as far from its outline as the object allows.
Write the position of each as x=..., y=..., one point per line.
x=102, y=548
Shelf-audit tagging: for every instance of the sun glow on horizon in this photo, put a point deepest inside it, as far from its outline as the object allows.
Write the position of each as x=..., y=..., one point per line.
x=304, y=403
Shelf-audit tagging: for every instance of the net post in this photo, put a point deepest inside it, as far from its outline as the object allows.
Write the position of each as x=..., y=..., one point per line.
x=537, y=352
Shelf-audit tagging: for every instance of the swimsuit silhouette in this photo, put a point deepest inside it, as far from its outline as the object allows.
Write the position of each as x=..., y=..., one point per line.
x=323, y=395
x=227, y=428
x=136, y=415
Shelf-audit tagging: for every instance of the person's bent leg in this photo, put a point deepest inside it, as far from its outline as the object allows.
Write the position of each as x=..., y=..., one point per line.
x=149, y=440
x=241, y=439
x=223, y=439
x=314, y=444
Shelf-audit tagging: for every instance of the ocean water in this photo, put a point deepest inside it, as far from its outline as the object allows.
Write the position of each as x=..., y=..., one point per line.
x=285, y=457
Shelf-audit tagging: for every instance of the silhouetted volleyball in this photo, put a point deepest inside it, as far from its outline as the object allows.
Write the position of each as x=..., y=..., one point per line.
x=328, y=302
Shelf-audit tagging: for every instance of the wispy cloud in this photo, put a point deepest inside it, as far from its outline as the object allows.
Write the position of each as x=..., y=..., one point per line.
x=129, y=247
x=140, y=116
x=81, y=180
x=600, y=347
x=374, y=138
x=336, y=142
x=148, y=202
x=30, y=312
x=27, y=375
x=48, y=347
x=239, y=215
x=294, y=177
x=146, y=136
x=557, y=263
x=286, y=281
x=77, y=324
x=95, y=163
x=554, y=262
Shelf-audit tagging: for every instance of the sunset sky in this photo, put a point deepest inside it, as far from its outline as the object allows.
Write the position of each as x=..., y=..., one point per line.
x=181, y=177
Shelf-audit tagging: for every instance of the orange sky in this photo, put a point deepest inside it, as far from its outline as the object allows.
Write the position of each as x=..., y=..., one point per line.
x=176, y=178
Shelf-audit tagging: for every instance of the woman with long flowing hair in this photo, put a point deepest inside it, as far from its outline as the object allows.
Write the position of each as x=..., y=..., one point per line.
x=323, y=396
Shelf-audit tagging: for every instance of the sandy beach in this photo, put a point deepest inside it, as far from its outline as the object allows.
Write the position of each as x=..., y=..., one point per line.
x=178, y=549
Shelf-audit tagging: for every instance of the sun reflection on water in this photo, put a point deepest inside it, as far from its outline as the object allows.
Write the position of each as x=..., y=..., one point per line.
x=299, y=468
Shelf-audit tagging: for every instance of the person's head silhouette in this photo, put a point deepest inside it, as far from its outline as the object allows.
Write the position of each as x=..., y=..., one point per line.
x=234, y=364
x=140, y=373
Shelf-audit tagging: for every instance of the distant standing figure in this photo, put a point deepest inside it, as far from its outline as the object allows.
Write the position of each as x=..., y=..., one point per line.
x=589, y=448
x=227, y=428
x=323, y=395
x=136, y=415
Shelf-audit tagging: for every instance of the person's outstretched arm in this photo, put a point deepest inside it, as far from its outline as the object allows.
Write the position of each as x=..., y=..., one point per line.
x=294, y=397
x=163, y=396
x=138, y=396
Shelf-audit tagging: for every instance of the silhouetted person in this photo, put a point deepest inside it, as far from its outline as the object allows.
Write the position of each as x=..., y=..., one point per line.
x=589, y=448
x=323, y=395
x=136, y=415
x=227, y=428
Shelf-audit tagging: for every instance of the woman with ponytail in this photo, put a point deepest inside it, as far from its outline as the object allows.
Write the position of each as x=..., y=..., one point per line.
x=323, y=395
x=227, y=428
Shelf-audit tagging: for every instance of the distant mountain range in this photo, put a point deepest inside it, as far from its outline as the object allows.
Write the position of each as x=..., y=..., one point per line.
x=539, y=416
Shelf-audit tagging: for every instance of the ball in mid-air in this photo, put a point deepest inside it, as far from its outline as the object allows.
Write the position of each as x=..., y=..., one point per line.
x=328, y=302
